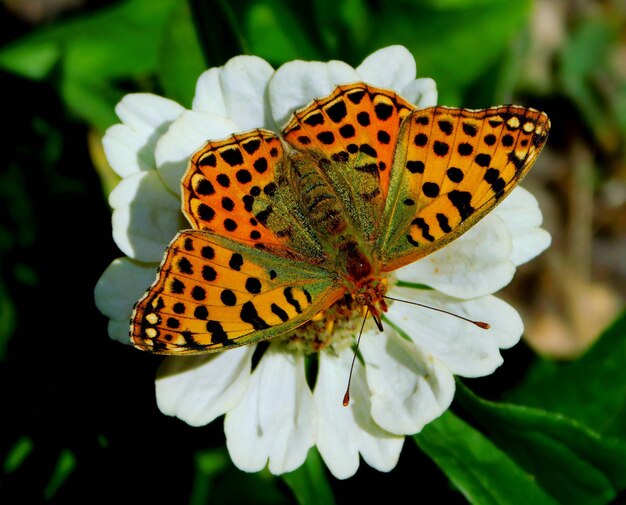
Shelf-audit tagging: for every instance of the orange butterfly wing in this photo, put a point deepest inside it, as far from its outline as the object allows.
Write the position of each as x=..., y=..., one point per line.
x=451, y=167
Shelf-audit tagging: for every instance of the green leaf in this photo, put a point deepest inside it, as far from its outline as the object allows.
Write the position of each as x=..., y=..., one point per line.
x=346, y=31
x=453, y=42
x=275, y=33
x=585, y=63
x=181, y=61
x=219, y=28
x=591, y=389
x=309, y=483
x=93, y=52
x=8, y=319
x=571, y=462
x=209, y=464
x=30, y=59
x=481, y=471
x=18, y=454
x=64, y=467
x=218, y=482
x=93, y=101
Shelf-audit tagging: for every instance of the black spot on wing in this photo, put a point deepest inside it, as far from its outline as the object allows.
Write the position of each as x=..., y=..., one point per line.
x=204, y=187
x=190, y=342
x=363, y=118
x=482, y=160
x=185, y=266
x=461, y=200
x=420, y=140
x=415, y=167
x=232, y=156
x=177, y=287
x=445, y=126
x=314, y=119
x=347, y=131
x=455, y=174
x=412, y=241
x=250, y=315
x=440, y=148
x=469, y=129
x=198, y=293
x=424, y=228
x=218, y=335
x=517, y=162
x=356, y=96
x=383, y=111
x=326, y=137
x=442, y=219
x=252, y=146
x=337, y=111
x=288, y=293
x=282, y=315
x=208, y=161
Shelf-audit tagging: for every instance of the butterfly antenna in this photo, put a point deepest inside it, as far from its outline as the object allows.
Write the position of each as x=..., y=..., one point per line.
x=377, y=320
x=346, y=396
x=480, y=324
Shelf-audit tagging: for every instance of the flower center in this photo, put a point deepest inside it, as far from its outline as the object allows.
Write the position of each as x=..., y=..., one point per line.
x=336, y=327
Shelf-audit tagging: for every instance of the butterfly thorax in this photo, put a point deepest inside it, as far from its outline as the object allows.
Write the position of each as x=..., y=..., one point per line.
x=364, y=283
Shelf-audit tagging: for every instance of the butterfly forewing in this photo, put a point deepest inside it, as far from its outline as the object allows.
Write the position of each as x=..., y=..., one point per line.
x=212, y=293
x=240, y=188
x=349, y=138
x=451, y=167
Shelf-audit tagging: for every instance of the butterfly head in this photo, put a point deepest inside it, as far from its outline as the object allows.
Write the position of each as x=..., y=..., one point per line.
x=372, y=296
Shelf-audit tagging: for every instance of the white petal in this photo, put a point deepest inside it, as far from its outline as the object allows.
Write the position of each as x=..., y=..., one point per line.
x=146, y=111
x=198, y=389
x=119, y=330
x=237, y=91
x=392, y=67
x=297, y=83
x=521, y=213
x=118, y=289
x=145, y=216
x=184, y=137
x=475, y=264
x=145, y=187
x=464, y=348
x=275, y=419
x=344, y=432
x=124, y=150
x=121, y=285
x=143, y=233
x=421, y=92
x=409, y=387
x=129, y=147
x=209, y=96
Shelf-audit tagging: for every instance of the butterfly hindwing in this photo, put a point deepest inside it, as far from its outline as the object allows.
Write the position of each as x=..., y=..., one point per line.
x=451, y=167
x=212, y=293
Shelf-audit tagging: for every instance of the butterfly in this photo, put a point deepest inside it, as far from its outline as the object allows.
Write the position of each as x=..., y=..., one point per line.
x=360, y=183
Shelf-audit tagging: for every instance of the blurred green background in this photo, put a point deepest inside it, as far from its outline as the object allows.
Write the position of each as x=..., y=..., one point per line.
x=79, y=419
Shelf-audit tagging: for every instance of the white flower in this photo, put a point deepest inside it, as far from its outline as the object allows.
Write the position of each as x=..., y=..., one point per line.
x=273, y=416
